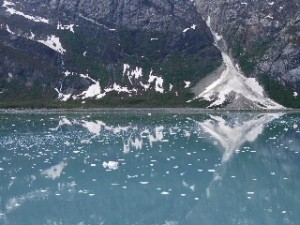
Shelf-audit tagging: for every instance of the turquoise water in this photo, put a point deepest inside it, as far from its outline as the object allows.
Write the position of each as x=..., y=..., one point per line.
x=226, y=168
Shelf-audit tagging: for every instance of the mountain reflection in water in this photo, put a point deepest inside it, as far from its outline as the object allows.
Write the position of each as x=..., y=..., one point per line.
x=223, y=168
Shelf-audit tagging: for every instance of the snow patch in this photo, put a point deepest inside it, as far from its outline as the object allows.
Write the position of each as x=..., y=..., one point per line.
x=93, y=91
x=118, y=89
x=158, y=82
x=189, y=28
x=69, y=27
x=9, y=30
x=187, y=84
x=61, y=96
x=137, y=74
x=12, y=11
x=67, y=73
x=53, y=43
x=269, y=17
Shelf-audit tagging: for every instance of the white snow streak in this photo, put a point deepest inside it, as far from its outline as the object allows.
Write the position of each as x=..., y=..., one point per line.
x=232, y=81
x=69, y=27
x=12, y=11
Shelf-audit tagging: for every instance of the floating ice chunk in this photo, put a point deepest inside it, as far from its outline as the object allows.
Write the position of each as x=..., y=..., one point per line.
x=111, y=165
x=53, y=43
x=144, y=182
x=193, y=188
x=165, y=193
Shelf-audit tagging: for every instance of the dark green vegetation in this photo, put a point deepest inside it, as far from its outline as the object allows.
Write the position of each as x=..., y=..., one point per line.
x=248, y=58
x=30, y=71
x=281, y=94
x=112, y=101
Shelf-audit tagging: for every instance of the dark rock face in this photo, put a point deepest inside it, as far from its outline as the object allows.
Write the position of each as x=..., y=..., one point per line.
x=264, y=36
x=98, y=38
x=64, y=48
x=151, y=15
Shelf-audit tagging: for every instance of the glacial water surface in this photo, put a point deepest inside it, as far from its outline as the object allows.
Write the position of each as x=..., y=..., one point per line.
x=142, y=169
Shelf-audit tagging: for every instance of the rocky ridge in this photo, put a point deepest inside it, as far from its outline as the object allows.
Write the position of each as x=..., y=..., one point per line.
x=87, y=49
x=145, y=52
x=262, y=36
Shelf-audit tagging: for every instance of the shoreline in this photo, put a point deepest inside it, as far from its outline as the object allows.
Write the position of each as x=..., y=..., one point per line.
x=138, y=111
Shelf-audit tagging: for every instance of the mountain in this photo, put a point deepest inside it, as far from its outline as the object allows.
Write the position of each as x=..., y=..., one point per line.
x=96, y=53
x=263, y=38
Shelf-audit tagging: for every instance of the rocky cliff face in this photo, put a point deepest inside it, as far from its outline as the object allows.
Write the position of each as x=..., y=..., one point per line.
x=262, y=36
x=140, y=52
x=95, y=49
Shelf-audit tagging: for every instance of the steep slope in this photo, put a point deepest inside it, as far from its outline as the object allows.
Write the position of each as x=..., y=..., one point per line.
x=150, y=53
x=263, y=38
x=112, y=52
x=232, y=90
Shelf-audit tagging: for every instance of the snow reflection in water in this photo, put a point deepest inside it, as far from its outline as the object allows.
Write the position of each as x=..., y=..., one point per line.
x=159, y=169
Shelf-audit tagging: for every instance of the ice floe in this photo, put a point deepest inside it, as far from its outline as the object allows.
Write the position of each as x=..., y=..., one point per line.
x=111, y=165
